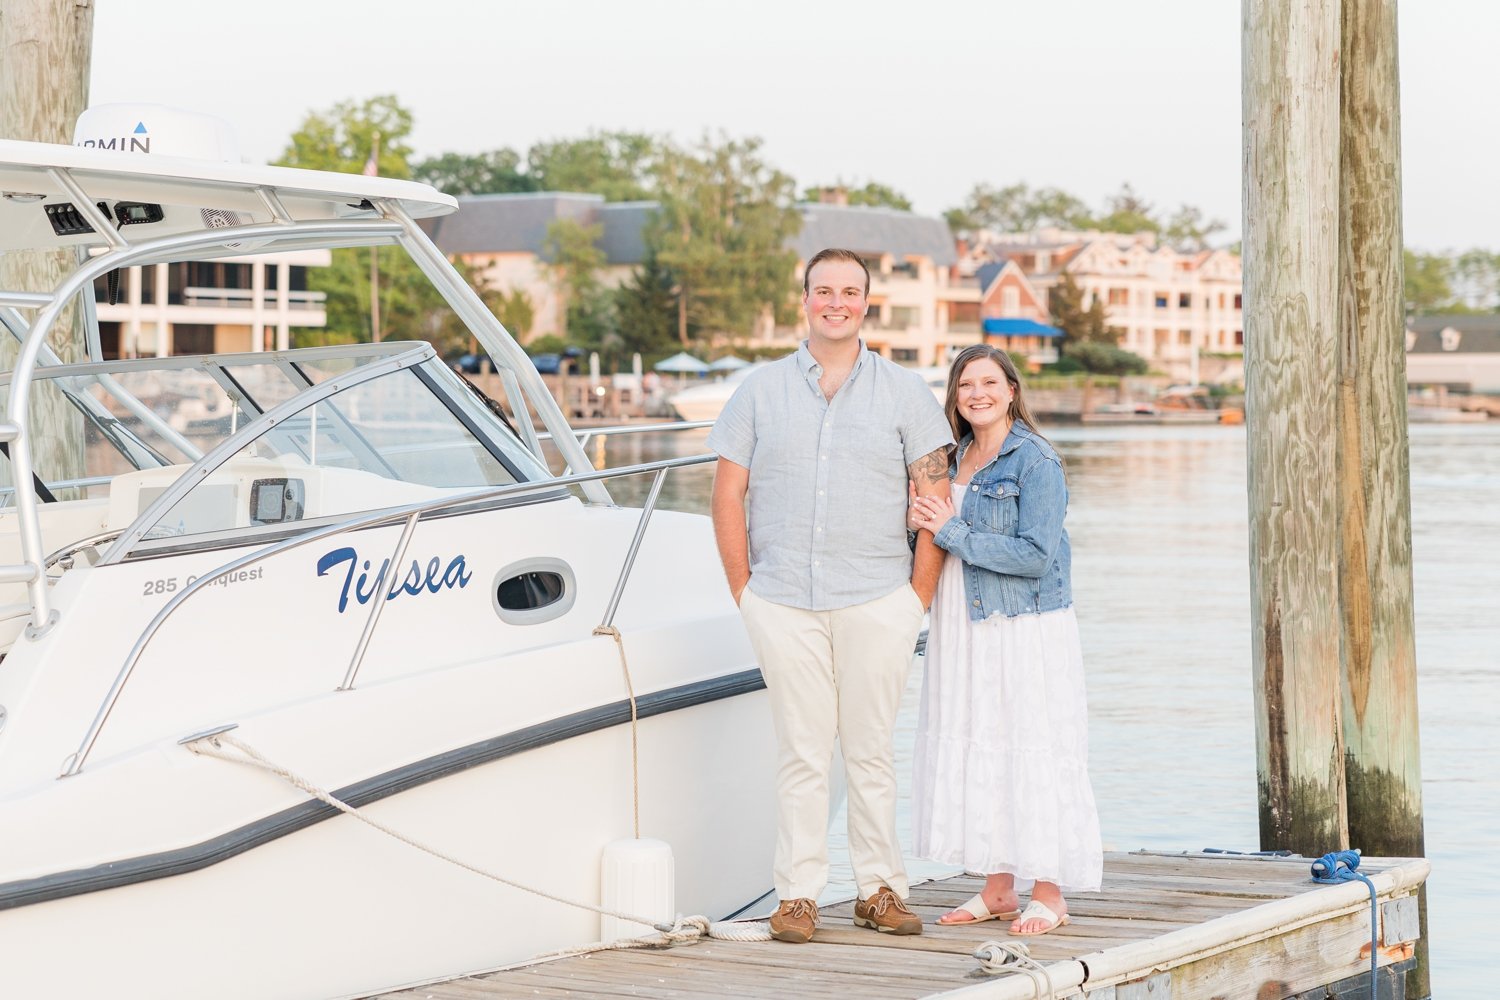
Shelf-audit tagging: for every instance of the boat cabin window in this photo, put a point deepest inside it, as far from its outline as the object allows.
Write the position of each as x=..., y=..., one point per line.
x=381, y=443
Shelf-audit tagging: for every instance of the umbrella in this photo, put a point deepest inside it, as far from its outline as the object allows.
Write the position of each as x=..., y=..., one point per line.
x=682, y=362
x=728, y=363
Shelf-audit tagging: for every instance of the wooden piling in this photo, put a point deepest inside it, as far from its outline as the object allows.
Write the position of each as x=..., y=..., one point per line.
x=1381, y=759
x=1290, y=77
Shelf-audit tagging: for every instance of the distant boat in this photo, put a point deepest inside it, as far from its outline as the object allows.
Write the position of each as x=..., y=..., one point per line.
x=1443, y=415
x=706, y=400
x=1177, y=404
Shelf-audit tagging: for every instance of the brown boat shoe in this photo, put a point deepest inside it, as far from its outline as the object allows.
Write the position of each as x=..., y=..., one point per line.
x=795, y=920
x=886, y=913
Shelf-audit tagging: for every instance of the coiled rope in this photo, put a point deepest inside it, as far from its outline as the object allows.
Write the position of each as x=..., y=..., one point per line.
x=998, y=958
x=1337, y=867
x=683, y=930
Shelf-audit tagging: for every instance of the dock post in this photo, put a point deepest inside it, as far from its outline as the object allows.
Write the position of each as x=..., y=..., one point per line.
x=1290, y=83
x=1382, y=769
x=44, y=84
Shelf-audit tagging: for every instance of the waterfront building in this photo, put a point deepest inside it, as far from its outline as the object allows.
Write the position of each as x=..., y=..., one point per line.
x=1180, y=311
x=221, y=306
x=1460, y=353
x=1013, y=316
x=911, y=258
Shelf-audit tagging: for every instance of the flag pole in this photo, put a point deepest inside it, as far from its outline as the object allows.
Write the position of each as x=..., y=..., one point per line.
x=372, y=169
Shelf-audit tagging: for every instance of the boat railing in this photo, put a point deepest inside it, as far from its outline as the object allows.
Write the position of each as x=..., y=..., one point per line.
x=408, y=515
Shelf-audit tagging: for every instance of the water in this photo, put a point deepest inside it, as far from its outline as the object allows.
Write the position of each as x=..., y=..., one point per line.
x=1158, y=519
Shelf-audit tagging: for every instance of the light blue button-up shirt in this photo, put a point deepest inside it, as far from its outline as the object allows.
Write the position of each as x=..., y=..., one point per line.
x=827, y=499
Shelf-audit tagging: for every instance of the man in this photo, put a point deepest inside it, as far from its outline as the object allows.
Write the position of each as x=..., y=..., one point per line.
x=815, y=451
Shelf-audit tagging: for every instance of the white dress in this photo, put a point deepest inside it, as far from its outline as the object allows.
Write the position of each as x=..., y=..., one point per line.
x=1000, y=777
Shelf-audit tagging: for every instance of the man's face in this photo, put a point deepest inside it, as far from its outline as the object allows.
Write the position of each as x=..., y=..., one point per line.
x=834, y=301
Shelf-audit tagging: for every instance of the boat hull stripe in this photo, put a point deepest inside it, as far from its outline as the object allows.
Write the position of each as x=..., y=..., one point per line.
x=179, y=861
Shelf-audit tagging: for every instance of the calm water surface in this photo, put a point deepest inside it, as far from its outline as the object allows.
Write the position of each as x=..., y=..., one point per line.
x=1158, y=519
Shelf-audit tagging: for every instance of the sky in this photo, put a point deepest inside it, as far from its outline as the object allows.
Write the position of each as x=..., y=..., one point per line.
x=928, y=98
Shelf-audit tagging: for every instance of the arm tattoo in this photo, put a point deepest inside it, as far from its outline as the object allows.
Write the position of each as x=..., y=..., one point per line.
x=931, y=468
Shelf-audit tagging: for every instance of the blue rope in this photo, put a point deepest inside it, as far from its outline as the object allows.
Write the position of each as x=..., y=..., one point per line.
x=1336, y=867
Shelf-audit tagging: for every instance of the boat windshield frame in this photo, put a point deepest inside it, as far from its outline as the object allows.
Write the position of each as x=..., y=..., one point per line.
x=377, y=221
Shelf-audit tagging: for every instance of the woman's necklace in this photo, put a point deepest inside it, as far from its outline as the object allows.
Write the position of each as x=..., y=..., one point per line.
x=973, y=459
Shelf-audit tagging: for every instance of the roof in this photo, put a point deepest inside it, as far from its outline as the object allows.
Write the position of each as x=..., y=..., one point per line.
x=509, y=223
x=187, y=190
x=1019, y=328
x=874, y=230
x=1477, y=334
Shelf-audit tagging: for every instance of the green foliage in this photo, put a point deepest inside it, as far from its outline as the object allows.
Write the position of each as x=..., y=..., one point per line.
x=722, y=229
x=1427, y=289
x=342, y=137
x=1127, y=213
x=495, y=172
x=1017, y=208
x=1104, y=358
x=646, y=307
x=1064, y=365
x=516, y=312
x=618, y=165
x=572, y=251
x=872, y=194
x=549, y=343
x=1079, y=324
x=1188, y=230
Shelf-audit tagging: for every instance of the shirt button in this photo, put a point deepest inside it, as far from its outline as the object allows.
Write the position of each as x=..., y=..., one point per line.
x=823, y=457
x=820, y=527
x=976, y=604
x=974, y=489
x=816, y=563
x=820, y=493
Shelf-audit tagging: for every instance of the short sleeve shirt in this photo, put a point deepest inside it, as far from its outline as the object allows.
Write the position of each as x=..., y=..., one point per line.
x=827, y=499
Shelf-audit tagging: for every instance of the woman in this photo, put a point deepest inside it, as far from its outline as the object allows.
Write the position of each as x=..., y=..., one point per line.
x=1001, y=780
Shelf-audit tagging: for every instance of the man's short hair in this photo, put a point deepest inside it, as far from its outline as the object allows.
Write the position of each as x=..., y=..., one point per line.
x=834, y=253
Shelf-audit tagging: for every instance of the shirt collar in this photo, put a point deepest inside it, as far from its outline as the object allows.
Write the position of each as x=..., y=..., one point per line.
x=810, y=368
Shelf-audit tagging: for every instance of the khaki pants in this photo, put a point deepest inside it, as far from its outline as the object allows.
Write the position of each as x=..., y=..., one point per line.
x=835, y=674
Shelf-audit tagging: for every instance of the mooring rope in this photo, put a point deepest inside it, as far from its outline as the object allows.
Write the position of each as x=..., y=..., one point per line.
x=1337, y=867
x=635, y=757
x=683, y=930
x=997, y=958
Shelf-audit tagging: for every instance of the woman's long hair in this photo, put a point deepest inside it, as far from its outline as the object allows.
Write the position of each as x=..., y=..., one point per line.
x=1018, y=411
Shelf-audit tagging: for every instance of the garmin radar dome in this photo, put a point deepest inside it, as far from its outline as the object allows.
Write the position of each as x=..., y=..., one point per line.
x=158, y=130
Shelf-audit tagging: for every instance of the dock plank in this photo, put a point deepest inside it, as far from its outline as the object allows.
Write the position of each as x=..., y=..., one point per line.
x=1149, y=902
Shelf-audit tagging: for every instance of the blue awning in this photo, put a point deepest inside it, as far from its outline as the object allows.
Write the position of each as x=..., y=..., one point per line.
x=1019, y=328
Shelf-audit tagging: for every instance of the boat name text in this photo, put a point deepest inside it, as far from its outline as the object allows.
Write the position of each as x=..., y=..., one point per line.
x=168, y=584
x=416, y=581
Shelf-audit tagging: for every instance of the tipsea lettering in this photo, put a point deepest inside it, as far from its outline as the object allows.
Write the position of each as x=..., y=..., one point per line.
x=416, y=581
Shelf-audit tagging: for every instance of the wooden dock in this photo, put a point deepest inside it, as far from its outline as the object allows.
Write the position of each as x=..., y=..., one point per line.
x=1164, y=927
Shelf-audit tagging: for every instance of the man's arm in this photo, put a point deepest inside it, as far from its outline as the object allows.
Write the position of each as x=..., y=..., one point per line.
x=930, y=476
x=731, y=482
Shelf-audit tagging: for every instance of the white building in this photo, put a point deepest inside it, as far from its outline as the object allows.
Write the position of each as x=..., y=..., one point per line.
x=1458, y=352
x=1174, y=309
x=220, y=306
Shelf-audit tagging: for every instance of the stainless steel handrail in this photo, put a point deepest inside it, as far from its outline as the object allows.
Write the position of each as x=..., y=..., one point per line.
x=75, y=762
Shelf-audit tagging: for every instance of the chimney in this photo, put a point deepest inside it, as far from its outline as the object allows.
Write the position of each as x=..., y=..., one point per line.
x=833, y=196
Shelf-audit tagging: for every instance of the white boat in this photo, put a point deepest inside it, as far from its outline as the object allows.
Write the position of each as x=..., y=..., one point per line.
x=168, y=573
x=706, y=401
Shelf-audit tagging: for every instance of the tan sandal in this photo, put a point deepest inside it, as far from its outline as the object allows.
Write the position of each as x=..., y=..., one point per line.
x=979, y=912
x=1038, y=911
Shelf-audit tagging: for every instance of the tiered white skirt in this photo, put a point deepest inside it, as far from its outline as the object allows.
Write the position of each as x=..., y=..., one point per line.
x=1000, y=773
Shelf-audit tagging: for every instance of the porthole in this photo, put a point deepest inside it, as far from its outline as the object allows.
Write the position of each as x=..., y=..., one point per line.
x=533, y=591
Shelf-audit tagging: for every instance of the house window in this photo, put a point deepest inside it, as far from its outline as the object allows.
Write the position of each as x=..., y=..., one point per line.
x=1237, y=298
x=904, y=317
x=1185, y=300
x=1450, y=338
x=1161, y=300
x=903, y=354
x=1010, y=301
x=1119, y=296
x=1239, y=336
x=192, y=338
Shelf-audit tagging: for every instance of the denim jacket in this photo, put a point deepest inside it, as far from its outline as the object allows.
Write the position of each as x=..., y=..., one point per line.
x=1009, y=531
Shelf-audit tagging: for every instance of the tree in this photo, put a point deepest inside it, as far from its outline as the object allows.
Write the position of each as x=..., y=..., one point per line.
x=722, y=231
x=646, y=307
x=617, y=165
x=1017, y=209
x=496, y=172
x=572, y=251
x=1476, y=279
x=342, y=138
x=1079, y=324
x=516, y=312
x=1128, y=213
x=1104, y=359
x=1427, y=289
x=872, y=194
x=1188, y=229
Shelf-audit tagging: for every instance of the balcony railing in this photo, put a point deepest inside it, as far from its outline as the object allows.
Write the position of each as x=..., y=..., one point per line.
x=244, y=298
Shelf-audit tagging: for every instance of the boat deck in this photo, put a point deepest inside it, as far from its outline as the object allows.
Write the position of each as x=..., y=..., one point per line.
x=1164, y=925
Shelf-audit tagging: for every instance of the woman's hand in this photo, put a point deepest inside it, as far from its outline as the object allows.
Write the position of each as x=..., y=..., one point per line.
x=929, y=513
x=913, y=521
